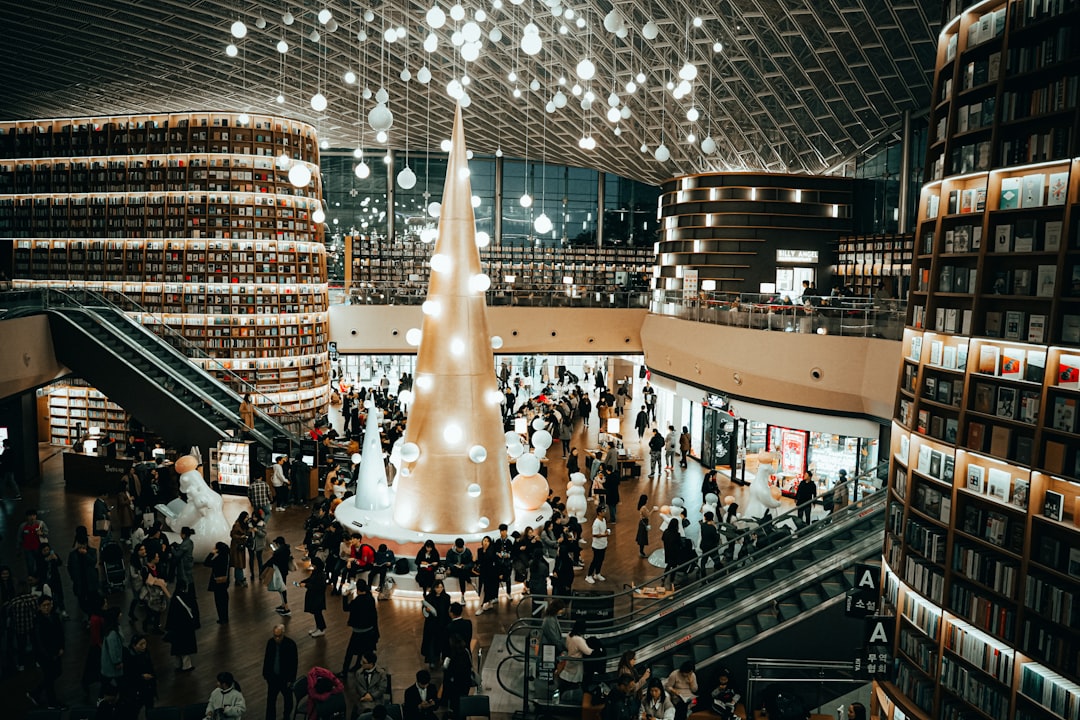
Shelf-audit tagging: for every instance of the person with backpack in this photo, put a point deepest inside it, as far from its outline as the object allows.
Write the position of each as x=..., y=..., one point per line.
x=710, y=541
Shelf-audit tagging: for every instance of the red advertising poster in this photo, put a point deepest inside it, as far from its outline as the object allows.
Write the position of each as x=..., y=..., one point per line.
x=793, y=451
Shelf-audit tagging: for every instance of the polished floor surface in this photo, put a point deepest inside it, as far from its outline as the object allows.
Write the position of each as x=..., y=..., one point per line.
x=238, y=646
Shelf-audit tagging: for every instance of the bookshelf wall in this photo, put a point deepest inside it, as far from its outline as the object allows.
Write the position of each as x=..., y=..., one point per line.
x=403, y=263
x=71, y=405
x=862, y=261
x=982, y=547
x=190, y=220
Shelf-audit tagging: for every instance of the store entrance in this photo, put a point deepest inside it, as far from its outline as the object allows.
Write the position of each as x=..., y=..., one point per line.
x=789, y=280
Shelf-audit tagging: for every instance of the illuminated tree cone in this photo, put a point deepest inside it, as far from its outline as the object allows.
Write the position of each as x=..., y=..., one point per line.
x=371, y=489
x=456, y=403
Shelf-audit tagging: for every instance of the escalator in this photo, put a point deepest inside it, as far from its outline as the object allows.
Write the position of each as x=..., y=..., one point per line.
x=142, y=372
x=716, y=617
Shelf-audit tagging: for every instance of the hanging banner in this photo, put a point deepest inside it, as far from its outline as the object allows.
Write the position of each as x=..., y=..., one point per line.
x=793, y=451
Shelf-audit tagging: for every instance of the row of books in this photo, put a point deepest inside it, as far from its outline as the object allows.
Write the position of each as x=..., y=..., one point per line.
x=1033, y=190
x=974, y=689
x=947, y=391
x=1051, y=690
x=919, y=650
x=983, y=611
x=1052, y=601
x=1017, y=363
x=1045, y=642
x=993, y=526
x=987, y=568
x=1005, y=401
x=927, y=540
x=1024, y=236
x=939, y=427
x=936, y=464
x=1000, y=441
x=980, y=650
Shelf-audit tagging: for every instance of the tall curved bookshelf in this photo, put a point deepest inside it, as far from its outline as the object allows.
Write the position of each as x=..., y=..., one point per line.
x=982, y=546
x=190, y=218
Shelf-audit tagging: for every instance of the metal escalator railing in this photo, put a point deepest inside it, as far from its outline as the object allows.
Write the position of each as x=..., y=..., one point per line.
x=278, y=421
x=638, y=613
x=143, y=359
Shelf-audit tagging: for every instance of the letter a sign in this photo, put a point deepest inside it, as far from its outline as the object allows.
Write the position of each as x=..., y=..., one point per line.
x=867, y=577
x=879, y=630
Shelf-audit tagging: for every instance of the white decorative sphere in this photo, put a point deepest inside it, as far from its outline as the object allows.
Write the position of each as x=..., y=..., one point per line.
x=318, y=216
x=496, y=342
x=380, y=117
x=431, y=42
x=478, y=454
x=423, y=75
x=473, y=490
x=586, y=70
x=405, y=75
x=282, y=47
x=406, y=179
x=541, y=439
x=708, y=145
x=542, y=224
x=511, y=437
x=325, y=15
x=238, y=29
x=355, y=458
x=299, y=175
x=662, y=153
x=434, y=209
x=452, y=433
x=479, y=282
x=471, y=31
x=231, y=50
x=413, y=336
x=287, y=18
x=538, y=423
x=470, y=52
x=457, y=12
x=692, y=114
x=688, y=72
x=531, y=44
x=650, y=30
x=436, y=18
x=410, y=452
x=528, y=464
x=525, y=200
x=482, y=239
x=318, y=102
x=515, y=450
x=362, y=170
x=440, y=262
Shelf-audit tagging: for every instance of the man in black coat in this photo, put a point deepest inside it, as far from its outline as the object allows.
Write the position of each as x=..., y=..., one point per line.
x=806, y=492
x=462, y=627
x=421, y=699
x=364, y=622
x=279, y=670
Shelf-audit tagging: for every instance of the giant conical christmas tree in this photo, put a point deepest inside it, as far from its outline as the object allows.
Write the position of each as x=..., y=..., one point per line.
x=454, y=476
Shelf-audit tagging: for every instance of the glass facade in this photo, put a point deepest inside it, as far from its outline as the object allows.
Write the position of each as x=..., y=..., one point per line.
x=882, y=167
x=629, y=213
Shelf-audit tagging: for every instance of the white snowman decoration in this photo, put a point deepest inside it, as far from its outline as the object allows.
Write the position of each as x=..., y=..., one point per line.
x=203, y=510
x=576, y=505
x=762, y=497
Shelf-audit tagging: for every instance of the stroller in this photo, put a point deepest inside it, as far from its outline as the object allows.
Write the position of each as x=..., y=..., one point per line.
x=112, y=559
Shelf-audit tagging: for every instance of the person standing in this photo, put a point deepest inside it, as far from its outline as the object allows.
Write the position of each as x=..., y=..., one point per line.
x=280, y=483
x=102, y=522
x=48, y=646
x=125, y=510
x=140, y=680
x=600, y=533
x=709, y=541
x=315, y=597
x=488, y=566
x=671, y=446
x=283, y=561
x=364, y=622
x=684, y=446
x=31, y=534
x=804, y=496
x=259, y=492
x=181, y=622
x=9, y=466
x=280, y=664
x=650, y=400
x=184, y=559
x=457, y=674
x=50, y=575
x=247, y=413
x=656, y=450
x=644, y=526
x=226, y=702
x=218, y=561
x=112, y=649
x=238, y=537
x=436, y=611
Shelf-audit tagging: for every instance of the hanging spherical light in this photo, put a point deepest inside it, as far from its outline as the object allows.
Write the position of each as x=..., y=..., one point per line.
x=613, y=114
x=434, y=209
x=382, y=137
x=559, y=99
x=436, y=18
x=470, y=51
x=525, y=200
x=332, y=26
x=471, y=31
x=423, y=75
x=280, y=99
x=287, y=18
x=231, y=50
x=650, y=30
x=482, y=239
x=325, y=15
x=382, y=96
x=708, y=145
x=318, y=102
x=369, y=15
x=362, y=170
x=454, y=89
x=631, y=86
x=688, y=71
x=238, y=29
x=662, y=153
x=624, y=112
x=300, y=175
x=318, y=217
x=613, y=100
x=531, y=44
x=692, y=114
x=358, y=153
x=282, y=47
x=457, y=12
x=390, y=35
x=550, y=107
x=406, y=179
x=380, y=117
x=495, y=35
x=361, y=35
x=431, y=43
x=542, y=224
x=586, y=70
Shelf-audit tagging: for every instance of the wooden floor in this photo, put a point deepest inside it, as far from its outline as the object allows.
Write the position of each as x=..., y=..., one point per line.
x=238, y=646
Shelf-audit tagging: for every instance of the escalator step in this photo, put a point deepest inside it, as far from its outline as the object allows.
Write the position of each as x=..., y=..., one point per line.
x=763, y=582
x=680, y=658
x=745, y=630
x=789, y=609
x=704, y=610
x=767, y=619
x=723, y=641
x=703, y=651
x=832, y=587
x=810, y=597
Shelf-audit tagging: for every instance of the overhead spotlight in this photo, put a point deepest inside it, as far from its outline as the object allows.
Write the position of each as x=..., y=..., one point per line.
x=238, y=29
x=231, y=50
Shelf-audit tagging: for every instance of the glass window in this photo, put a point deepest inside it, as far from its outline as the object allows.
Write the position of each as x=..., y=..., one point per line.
x=629, y=212
x=354, y=204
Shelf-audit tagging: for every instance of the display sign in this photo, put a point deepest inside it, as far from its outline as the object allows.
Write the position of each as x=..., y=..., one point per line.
x=864, y=599
x=593, y=606
x=872, y=661
x=332, y=347
x=793, y=451
x=690, y=284
x=797, y=256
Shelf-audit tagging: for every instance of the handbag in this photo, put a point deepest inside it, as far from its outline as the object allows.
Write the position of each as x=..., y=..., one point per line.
x=101, y=525
x=277, y=583
x=440, y=573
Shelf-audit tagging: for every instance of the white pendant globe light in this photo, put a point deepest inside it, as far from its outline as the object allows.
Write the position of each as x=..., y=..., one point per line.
x=470, y=51
x=559, y=99
x=382, y=96
x=287, y=19
x=325, y=15
x=406, y=179
x=688, y=72
x=423, y=75
x=457, y=12
x=358, y=153
x=369, y=15
x=708, y=145
x=586, y=103
x=692, y=114
x=238, y=29
x=332, y=26
x=283, y=161
x=650, y=30
x=361, y=35
x=434, y=209
x=613, y=115
x=454, y=89
x=243, y=119
x=464, y=101
x=471, y=31
x=431, y=43
x=381, y=137
x=534, y=85
x=318, y=217
x=406, y=75
x=531, y=44
x=299, y=175
x=662, y=153
x=586, y=70
x=280, y=99
x=318, y=102
x=380, y=117
x=631, y=86
x=617, y=131
x=231, y=50
x=436, y=18
x=644, y=148
x=550, y=107
x=282, y=47
x=525, y=200
x=362, y=170
x=625, y=113
x=613, y=100
x=495, y=35
x=542, y=224
x=260, y=22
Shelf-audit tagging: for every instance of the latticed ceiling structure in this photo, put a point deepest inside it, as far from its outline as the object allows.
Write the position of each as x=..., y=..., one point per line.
x=777, y=85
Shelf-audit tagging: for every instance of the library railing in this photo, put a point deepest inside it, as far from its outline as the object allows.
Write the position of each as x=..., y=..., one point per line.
x=847, y=316
x=579, y=296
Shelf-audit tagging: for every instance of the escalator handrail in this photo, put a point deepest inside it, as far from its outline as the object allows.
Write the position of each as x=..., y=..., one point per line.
x=839, y=520
x=194, y=350
x=224, y=412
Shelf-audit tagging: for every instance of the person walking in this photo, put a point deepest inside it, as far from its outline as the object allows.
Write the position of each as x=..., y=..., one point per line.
x=280, y=482
x=226, y=702
x=684, y=446
x=259, y=493
x=804, y=496
x=279, y=668
x=600, y=533
x=238, y=537
x=9, y=466
x=656, y=450
x=315, y=597
x=641, y=422
x=140, y=680
x=48, y=646
x=247, y=413
x=184, y=560
x=218, y=561
x=364, y=622
x=671, y=446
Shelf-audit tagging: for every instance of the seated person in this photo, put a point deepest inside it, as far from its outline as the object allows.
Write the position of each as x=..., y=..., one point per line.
x=369, y=685
x=421, y=699
x=725, y=699
x=656, y=703
x=427, y=561
x=384, y=560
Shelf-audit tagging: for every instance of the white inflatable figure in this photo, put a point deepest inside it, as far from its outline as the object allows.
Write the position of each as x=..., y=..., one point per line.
x=372, y=492
x=668, y=514
x=541, y=441
x=710, y=506
x=761, y=496
x=693, y=530
x=576, y=504
x=203, y=510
